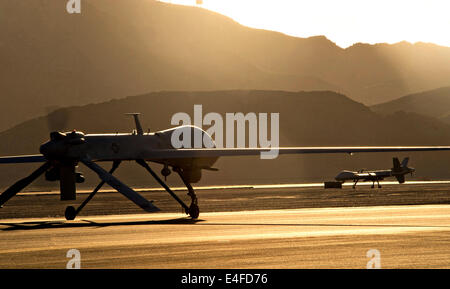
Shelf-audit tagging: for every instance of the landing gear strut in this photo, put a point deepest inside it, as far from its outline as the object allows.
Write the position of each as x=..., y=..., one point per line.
x=354, y=184
x=193, y=210
x=71, y=212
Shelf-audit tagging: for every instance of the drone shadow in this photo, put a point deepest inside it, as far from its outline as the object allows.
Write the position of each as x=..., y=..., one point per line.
x=87, y=223
x=82, y=223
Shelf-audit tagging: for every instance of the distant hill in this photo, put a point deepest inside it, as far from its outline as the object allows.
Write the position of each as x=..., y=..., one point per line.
x=320, y=118
x=433, y=103
x=446, y=119
x=118, y=48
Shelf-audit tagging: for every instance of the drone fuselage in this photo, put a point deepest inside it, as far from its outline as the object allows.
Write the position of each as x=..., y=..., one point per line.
x=75, y=146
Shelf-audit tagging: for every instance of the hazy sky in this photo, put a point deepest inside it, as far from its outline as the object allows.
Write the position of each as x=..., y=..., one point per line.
x=343, y=21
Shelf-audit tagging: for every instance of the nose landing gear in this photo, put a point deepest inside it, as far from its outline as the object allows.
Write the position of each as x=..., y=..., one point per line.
x=71, y=212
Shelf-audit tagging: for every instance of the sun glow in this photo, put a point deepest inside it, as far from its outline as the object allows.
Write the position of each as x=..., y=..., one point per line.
x=344, y=22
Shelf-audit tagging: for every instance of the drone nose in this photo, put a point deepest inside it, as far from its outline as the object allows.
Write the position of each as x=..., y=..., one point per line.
x=45, y=148
x=50, y=149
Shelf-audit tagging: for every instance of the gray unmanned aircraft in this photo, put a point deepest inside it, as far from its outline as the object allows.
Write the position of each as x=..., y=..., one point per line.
x=399, y=170
x=62, y=153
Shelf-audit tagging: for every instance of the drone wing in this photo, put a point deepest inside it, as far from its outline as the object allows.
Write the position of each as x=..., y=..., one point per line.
x=22, y=159
x=222, y=152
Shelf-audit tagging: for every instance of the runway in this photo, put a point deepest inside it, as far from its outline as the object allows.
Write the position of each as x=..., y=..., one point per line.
x=249, y=186
x=406, y=236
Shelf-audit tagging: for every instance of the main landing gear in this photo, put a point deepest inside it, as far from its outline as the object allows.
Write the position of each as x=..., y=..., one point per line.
x=373, y=184
x=193, y=210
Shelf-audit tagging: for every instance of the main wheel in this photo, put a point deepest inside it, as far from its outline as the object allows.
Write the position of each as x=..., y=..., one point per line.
x=194, y=211
x=70, y=213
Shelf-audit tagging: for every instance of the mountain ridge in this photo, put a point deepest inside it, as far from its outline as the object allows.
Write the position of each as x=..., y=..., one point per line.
x=432, y=103
x=117, y=48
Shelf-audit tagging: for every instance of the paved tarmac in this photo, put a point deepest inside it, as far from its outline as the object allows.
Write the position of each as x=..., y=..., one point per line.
x=408, y=236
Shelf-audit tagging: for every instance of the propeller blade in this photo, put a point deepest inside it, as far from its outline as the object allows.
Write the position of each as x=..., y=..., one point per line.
x=121, y=187
x=21, y=184
x=57, y=118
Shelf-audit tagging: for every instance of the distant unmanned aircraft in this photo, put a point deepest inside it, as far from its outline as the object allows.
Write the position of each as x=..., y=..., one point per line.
x=398, y=171
x=62, y=153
